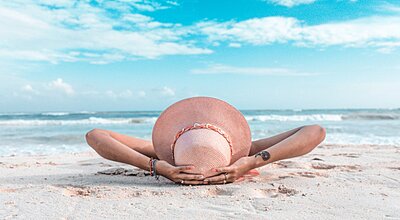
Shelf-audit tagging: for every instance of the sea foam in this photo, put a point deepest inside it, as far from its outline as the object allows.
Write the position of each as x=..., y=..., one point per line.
x=91, y=120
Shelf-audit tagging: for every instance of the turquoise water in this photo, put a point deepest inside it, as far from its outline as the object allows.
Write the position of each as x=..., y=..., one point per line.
x=57, y=132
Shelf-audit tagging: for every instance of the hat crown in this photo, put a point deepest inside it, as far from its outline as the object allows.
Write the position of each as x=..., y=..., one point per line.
x=203, y=148
x=173, y=121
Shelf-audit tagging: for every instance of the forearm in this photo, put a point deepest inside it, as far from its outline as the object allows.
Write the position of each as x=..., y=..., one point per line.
x=265, y=143
x=299, y=143
x=110, y=148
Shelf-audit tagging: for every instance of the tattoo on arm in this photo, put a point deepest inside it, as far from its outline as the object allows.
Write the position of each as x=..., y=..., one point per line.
x=264, y=155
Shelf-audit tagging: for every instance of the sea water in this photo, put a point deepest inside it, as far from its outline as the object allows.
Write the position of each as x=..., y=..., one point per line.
x=59, y=132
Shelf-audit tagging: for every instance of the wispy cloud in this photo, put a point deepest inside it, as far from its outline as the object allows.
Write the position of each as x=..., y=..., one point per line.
x=111, y=31
x=291, y=3
x=380, y=32
x=125, y=94
x=142, y=93
x=29, y=89
x=79, y=31
x=390, y=8
x=60, y=85
x=261, y=71
x=166, y=91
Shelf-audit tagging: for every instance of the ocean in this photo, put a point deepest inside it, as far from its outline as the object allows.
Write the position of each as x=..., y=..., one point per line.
x=46, y=133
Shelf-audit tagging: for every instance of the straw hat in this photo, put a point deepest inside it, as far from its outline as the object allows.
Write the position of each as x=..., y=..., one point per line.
x=202, y=131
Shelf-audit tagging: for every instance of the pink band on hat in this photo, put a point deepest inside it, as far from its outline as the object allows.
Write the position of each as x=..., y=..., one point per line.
x=201, y=126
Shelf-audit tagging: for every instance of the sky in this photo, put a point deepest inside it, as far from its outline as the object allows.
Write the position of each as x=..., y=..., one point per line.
x=100, y=55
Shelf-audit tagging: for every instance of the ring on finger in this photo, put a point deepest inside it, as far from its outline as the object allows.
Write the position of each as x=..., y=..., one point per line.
x=182, y=181
x=224, y=181
x=225, y=176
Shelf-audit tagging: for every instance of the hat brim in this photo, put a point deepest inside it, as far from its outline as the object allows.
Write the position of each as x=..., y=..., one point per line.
x=201, y=110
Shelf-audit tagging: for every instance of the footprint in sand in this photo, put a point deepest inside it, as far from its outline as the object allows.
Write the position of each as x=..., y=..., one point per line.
x=308, y=174
x=281, y=190
x=286, y=164
x=124, y=172
x=220, y=192
x=102, y=164
x=77, y=191
x=7, y=190
x=286, y=191
x=351, y=155
x=394, y=168
x=322, y=166
x=86, y=164
x=350, y=168
x=71, y=190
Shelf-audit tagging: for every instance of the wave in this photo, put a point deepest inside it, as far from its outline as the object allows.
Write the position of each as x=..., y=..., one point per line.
x=91, y=120
x=152, y=119
x=55, y=113
x=371, y=116
x=14, y=114
x=47, y=113
x=313, y=117
x=67, y=113
x=326, y=117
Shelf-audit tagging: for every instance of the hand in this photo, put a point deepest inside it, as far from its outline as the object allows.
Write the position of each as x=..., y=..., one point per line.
x=231, y=173
x=177, y=173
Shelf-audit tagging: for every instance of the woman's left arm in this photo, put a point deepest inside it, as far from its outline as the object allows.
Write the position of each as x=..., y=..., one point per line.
x=292, y=143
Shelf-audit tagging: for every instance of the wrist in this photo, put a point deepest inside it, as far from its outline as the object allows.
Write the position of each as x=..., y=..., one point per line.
x=252, y=162
x=262, y=158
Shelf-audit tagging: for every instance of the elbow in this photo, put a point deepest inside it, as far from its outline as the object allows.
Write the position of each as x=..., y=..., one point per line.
x=91, y=136
x=318, y=133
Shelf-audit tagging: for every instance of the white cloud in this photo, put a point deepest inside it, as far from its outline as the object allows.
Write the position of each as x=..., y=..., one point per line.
x=291, y=3
x=124, y=94
x=142, y=93
x=59, y=84
x=380, y=32
x=30, y=30
x=236, y=45
x=29, y=89
x=70, y=31
x=256, y=31
x=175, y=3
x=226, y=69
x=389, y=9
x=166, y=91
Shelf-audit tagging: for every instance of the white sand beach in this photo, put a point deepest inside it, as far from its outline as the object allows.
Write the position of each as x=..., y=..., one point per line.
x=332, y=182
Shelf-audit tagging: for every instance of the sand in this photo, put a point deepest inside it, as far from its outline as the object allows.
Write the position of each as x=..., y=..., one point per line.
x=332, y=182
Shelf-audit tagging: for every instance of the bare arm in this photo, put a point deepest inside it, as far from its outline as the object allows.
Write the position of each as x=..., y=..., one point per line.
x=266, y=143
x=286, y=145
x=300, y=141
x=136, y=152
x=117, y=147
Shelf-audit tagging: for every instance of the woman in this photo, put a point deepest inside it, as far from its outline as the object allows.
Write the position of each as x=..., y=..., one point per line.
x=143, y=153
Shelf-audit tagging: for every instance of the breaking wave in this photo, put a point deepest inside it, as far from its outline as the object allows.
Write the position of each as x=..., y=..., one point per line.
x=313, y=117
x=325, y=117
x=91, y=120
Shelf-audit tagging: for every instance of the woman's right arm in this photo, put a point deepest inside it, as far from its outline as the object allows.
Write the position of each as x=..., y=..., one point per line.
x=106, y=145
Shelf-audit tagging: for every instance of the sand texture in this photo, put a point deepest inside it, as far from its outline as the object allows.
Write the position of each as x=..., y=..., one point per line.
x=332, y=182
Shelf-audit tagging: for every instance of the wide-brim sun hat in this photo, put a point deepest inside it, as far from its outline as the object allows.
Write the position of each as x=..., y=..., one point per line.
x=202, y=131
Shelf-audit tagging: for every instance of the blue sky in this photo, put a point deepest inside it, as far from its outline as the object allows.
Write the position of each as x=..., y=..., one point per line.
x=100, y=55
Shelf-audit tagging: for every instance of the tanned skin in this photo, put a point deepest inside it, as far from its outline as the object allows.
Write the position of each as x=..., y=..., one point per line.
x=137, y=152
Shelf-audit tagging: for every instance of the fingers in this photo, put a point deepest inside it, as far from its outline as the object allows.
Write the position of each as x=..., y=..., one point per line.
x=191, y=182
x=220, y=179
x=217, y=178
x=184, y=168
x=184, y=176
x=224, y=169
